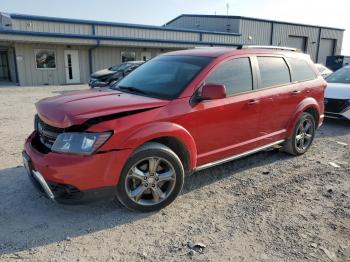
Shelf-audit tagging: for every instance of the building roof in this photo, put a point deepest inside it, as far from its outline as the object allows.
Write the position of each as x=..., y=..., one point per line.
x=94, y=22
x=249, y=18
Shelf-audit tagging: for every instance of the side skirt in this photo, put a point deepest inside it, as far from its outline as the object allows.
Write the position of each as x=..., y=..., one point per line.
x=234, y=157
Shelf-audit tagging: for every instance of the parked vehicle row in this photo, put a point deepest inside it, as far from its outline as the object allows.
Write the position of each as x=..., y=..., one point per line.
x=113, y=74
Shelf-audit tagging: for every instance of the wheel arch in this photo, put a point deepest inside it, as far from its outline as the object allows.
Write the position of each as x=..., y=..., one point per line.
x=174, y=136
x=309, y=105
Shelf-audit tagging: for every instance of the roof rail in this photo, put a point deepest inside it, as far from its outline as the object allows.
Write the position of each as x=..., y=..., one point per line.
x=269, y=47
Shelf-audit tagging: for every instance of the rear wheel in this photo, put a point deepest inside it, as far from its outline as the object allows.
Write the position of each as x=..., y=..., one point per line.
x=151, y=179
x=303, y=135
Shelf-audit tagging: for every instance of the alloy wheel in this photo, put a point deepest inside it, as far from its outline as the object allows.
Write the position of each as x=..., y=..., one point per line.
x=304, y=134
x=150, y=181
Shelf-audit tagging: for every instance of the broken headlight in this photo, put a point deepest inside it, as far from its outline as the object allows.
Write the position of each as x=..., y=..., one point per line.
x=80, y=143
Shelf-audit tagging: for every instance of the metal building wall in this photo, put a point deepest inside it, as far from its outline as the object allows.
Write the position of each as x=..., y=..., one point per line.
x=215, y=23
x=30, y=75
x=51, y=27
x=117, y=31
x=252, y=33
x=259, y=32
x=45, y=39
x=104, y=57
x=283, y=31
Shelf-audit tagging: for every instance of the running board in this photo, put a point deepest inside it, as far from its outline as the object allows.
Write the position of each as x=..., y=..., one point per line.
x=234, y=157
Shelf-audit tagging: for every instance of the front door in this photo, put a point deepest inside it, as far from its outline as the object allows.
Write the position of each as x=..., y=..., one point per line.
x=71, y=62
x=228, y=126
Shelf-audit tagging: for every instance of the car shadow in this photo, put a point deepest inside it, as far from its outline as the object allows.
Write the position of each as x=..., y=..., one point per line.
x=329, y=126
x=25, y=216
x=28, y=219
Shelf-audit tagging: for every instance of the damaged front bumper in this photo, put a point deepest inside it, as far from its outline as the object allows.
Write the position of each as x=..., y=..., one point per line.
x=73, y=179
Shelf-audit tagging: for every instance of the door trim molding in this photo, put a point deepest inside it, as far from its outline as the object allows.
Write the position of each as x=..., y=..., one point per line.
x=234, y=157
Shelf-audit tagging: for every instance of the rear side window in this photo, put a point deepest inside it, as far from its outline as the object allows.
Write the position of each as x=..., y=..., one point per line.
x=235, y=74
x=301, y=70
x=273, y=71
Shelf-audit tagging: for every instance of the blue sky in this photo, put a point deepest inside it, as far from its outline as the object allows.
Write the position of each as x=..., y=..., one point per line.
x=157, y=12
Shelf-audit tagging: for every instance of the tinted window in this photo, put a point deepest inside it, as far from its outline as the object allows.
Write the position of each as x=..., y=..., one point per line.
x=273, y=71
x=340, y=76
x=301, y=70
x=236, y=75
x=164, y=76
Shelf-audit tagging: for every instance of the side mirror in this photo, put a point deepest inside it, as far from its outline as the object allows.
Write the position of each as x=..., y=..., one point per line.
x=212, y=92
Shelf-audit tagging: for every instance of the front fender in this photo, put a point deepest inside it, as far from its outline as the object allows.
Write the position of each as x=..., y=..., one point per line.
x=162, y=129
x=304, y=105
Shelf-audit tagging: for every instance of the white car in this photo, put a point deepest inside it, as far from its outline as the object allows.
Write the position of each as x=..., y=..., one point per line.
x=324, y=71
x=337, y=94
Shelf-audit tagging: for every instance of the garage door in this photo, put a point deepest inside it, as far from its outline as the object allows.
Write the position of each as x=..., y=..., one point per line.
x=297, y=42
x=326, y=49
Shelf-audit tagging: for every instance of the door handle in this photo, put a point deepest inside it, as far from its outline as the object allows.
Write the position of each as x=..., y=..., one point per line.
x=253, y=102
x=295, y=92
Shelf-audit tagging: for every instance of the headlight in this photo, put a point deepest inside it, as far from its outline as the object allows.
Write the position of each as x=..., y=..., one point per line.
x=80, y=143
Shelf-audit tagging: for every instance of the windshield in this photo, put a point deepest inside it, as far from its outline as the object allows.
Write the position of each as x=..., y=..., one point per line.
x=120, y=67
x=340, y=76
x=163, y=77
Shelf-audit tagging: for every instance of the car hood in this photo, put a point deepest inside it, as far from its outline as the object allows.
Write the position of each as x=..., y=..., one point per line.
x=75, y=108
x=102, y=73
x=337, y=91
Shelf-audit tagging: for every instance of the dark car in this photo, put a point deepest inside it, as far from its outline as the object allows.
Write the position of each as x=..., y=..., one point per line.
x=178, y=113
x=109, y=76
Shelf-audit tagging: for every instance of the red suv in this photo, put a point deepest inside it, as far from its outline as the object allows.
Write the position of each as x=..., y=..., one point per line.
x=178, y=113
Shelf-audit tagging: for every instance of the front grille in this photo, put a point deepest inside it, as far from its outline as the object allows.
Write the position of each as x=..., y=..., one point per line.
x=335, y=105
x=47, y=133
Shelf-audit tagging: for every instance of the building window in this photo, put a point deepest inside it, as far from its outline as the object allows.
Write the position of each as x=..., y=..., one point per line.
x=45, y=59
x=128, y=56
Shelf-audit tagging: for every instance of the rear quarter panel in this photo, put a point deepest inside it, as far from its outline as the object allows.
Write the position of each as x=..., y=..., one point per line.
x=314, y=98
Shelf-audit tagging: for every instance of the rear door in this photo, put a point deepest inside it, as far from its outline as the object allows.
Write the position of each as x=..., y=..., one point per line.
x=283, y=83
x=228, y=126
x=277, y=97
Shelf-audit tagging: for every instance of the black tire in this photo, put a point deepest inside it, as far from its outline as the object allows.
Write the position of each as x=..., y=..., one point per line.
x=293, y=145
x=166, y=157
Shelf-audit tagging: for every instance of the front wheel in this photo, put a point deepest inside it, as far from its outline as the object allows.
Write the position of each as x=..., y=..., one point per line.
x=303, y=135
x=151, y=179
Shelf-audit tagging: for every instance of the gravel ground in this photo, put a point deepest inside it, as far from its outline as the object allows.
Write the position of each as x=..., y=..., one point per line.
x=265, y=207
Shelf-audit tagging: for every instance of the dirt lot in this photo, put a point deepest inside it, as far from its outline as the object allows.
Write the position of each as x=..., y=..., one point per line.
x=266, y=207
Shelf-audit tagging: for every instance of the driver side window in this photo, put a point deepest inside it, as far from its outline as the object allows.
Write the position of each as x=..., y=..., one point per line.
x=235, y=74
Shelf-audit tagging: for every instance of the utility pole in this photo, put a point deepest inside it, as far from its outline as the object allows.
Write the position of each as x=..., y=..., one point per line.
x=227, y=8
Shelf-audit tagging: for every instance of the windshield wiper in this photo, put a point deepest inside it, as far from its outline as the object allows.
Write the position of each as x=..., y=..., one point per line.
x=132, y=89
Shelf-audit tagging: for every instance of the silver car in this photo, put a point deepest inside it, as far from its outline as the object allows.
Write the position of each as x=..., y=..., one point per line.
x=337, y=94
